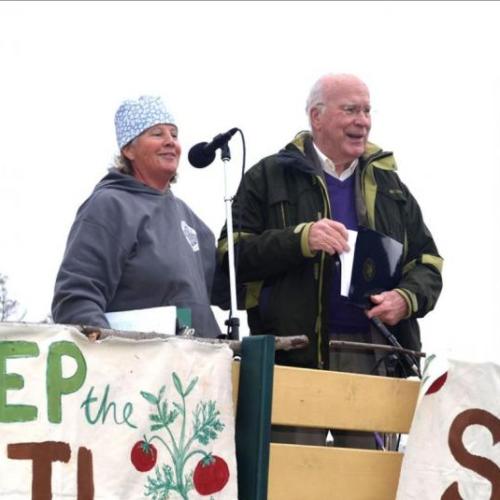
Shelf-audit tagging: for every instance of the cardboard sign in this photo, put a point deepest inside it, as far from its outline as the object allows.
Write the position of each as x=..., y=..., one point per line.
x=114, y=420
x=453, y=450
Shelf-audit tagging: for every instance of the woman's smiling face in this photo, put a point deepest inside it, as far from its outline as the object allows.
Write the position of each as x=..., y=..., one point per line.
x=155, y=155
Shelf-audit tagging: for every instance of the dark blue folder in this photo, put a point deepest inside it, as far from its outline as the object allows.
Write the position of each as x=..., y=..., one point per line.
x=376, y=266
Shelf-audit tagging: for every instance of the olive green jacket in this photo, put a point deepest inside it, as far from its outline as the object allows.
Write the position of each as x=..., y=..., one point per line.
x=285, y=284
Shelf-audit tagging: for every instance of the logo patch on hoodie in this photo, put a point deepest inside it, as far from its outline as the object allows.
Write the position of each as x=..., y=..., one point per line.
x=191, y=236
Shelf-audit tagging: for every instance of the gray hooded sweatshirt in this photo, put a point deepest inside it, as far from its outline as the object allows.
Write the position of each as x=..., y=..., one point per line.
x=134, y=247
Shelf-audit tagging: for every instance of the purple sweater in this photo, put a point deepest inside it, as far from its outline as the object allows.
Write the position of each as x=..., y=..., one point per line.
x=342, y=316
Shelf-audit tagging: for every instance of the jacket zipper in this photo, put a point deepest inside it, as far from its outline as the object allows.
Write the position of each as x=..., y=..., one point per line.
x=326, y=213
x=282, y=204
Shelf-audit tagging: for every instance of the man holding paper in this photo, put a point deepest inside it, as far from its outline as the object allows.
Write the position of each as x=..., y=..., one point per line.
x=294, y=209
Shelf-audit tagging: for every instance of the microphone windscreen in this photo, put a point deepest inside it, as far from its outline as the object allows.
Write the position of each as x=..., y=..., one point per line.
x=200, y=156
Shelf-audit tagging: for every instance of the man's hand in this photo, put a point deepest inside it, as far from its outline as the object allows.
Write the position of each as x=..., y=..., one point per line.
x=390, y=307
x=329, y=236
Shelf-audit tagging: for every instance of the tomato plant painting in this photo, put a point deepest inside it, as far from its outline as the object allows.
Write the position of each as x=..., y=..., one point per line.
x=211, y=473
x=143, y=456
x=437, y=384
x=436, y=372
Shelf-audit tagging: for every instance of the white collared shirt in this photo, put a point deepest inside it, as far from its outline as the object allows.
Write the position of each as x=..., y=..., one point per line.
x=329, y=166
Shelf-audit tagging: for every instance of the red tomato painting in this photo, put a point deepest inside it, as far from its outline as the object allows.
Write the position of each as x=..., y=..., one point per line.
x=143, y=456
x=210, y=475
x=437, y=384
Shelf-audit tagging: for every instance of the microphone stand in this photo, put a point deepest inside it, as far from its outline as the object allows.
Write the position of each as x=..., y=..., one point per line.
x=233, y=322
x=411, y=360
x=392, y=340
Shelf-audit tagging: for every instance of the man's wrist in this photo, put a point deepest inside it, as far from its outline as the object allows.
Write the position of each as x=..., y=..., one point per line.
x=407, y=298
x=304, y=230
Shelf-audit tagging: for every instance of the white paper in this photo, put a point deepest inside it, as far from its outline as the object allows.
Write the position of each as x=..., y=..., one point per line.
x=153, y=319
x=346, y=263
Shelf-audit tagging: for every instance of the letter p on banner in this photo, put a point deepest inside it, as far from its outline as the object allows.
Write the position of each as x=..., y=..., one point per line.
x=57, y=385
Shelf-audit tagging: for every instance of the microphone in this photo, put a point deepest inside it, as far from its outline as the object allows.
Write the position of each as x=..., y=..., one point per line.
x=203, y=153
x=392, y=340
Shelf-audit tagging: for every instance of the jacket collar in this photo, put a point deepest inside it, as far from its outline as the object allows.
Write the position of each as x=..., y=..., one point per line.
x=300, y=154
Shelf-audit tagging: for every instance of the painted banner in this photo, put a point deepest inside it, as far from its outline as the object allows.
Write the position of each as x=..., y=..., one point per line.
x=114, y=420
x=453, y=450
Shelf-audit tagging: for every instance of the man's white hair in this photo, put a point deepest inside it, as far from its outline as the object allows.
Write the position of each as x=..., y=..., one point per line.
x=316, y=96
x=325, y=85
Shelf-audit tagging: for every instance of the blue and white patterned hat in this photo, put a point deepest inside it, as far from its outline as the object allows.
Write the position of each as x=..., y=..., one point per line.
x=134, y=117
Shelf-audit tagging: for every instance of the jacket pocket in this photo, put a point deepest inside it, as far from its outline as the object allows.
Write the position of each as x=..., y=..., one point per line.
x=390, y=209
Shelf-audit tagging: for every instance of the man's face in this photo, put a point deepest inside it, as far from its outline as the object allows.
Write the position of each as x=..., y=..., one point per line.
x=342, y=124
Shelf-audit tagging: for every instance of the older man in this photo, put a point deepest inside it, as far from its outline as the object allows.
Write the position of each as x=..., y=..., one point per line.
x=295, y=207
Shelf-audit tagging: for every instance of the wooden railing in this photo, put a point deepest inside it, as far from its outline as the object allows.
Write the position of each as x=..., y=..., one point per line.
x=325, y=400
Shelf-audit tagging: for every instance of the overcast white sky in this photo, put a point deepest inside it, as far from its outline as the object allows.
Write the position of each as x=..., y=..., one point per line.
x=434, y=76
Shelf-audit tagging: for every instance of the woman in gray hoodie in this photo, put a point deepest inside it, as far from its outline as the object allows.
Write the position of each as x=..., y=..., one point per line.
x=133, y=244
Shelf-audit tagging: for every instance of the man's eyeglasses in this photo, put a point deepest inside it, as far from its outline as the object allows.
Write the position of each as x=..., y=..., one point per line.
x=351, y=109
x=355, y=110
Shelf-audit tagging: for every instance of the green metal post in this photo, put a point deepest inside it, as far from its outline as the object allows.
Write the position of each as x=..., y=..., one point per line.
x=253, y=416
